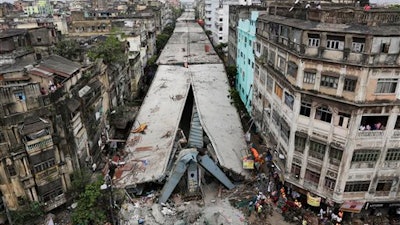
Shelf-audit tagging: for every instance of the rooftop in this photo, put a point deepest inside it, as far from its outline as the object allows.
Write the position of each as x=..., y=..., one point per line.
x=383, y=30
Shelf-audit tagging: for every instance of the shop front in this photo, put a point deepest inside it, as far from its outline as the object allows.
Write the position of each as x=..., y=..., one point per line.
x=372, y=213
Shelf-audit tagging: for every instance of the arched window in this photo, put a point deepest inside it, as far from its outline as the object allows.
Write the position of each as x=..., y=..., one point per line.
x=323, y=113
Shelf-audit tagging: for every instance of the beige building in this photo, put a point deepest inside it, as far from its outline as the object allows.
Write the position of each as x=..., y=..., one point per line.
x=326, y=88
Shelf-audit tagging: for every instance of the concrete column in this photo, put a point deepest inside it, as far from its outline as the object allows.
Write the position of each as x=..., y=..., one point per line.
x=339, y=90
x=300, y=74
x=318, y=77
x=25, y=162
x=34, y=194
x=293, y=128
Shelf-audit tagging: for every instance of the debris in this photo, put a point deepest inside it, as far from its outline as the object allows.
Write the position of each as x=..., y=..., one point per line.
x=140, y=129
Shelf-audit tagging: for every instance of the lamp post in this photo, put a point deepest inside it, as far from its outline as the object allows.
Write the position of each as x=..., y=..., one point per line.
x=105, y=186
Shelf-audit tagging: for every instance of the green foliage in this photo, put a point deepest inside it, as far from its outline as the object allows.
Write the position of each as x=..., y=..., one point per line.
x=92, y=205
x=69, y=49
x=236, y=101
x=168, y=30
x=152, y=60
x=231, y=71
x=32, y=212
x=161, y=41
x=80, y=178
x=112, y=51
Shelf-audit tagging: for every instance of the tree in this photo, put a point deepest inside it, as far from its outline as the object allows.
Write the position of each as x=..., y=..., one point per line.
x=92, y=206
x=161, y=41
x=32, y=212
x=112, y=51
x=69, y=49
x=81, y=178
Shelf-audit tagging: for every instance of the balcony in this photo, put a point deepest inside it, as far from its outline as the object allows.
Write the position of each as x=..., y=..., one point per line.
x=370, y=134
x=396, y=134
x=39, y=144
x=50, y=172
x=56, y=202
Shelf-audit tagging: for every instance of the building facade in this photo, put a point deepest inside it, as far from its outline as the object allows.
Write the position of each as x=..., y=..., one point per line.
x=246, y=36
x=326, y=90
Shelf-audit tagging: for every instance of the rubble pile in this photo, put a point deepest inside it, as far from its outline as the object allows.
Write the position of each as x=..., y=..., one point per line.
x=178, y=212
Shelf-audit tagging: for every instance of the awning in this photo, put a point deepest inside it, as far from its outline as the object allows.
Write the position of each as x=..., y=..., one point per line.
x=352, y=206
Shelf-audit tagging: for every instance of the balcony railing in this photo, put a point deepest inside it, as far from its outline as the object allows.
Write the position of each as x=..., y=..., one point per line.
x=56, y=202
x=39, y=143
x=396, y=134
x=48, y=172
x=370, y=133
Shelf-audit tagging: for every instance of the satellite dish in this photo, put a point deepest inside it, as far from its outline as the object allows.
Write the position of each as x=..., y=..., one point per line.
x=291, y=9
x=296, y=2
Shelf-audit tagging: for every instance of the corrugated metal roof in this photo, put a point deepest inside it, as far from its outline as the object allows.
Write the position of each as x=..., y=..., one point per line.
x=59, y=65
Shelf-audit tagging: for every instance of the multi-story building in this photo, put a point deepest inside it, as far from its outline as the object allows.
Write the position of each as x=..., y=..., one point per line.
x=53, y=116
x=246, y=36
x=216, y=20
x=326, y=89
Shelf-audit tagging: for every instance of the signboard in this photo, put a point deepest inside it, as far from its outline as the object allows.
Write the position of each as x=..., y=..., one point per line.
x=313, y=201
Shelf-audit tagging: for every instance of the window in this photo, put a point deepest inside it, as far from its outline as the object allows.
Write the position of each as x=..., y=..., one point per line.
x=292, y=69
x=285, y=130
x=270, y=83
x=281, y=63
x=335, y=156
x=258, y=47
x=317, y=150
x=275, y=117
x=312, y=176
x=344, y=120
x=39, y=39
x=313, y=40
x=50, y=190
x=386, y=85
x=299, y=143
x=271, y=57
x=2, y=137
x=393, y=155
x=349, y=84
x=295, y=170
x=309, y=77
x=305, y=109
x=11, y=170
x=329, y=81
x=278, y=90
x=220, y=29
x=365, y=156
x=385, y=47
x=323, y=113
x=384, y=185
x=357, y=186
x=330, y=183
x=20, y=95
x=44, y=165
x=358, y=44
x=289, y=100
x=335, y=42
